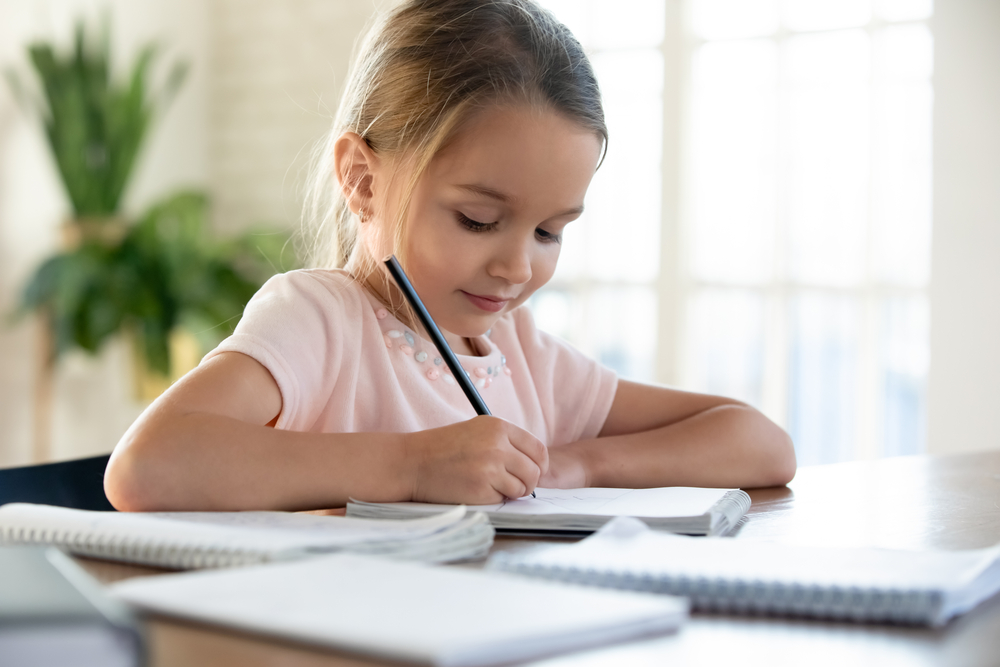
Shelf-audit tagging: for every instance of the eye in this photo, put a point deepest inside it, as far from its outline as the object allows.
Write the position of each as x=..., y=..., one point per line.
x=547, y=237
x=474, y=225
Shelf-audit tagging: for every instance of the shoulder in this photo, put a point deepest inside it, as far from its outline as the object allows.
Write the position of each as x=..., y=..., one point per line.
x=322, y=283
x=303, y=326
x=304, y=303
x=327, y=291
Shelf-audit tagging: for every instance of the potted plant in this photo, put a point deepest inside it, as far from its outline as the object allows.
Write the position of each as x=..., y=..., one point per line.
x=148, y=278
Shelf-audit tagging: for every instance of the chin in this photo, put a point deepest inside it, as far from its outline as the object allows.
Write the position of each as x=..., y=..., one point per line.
x=477, y=326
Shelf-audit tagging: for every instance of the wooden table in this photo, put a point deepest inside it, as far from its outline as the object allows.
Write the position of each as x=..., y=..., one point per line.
x=908, y=503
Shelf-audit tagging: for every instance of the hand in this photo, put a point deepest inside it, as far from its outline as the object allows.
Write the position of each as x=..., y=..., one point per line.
x=477, y=462
x=567, y=469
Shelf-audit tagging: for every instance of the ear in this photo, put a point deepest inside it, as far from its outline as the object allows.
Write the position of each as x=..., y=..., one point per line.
x=354, y=165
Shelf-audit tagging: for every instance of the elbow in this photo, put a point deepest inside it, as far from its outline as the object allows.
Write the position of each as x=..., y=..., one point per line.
x=128, y=483
x=771, y=451
x=120, y=485
x=784, y=464
x=778, y=457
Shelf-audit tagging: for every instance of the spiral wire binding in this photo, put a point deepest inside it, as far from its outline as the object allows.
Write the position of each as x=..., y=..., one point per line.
x=754, y=597
x=134, y=550
x=732, y=507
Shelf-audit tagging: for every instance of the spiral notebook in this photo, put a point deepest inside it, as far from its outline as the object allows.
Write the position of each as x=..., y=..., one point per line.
x=185, y=540
x=444, y=616
x=679, y=509
x=739, y=576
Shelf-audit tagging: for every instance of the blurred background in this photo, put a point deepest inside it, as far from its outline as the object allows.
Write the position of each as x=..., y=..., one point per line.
x=800, y=205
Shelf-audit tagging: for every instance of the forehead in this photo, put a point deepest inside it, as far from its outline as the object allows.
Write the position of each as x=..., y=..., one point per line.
x=525, y=152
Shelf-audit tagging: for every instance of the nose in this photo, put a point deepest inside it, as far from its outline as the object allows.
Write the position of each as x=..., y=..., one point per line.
x=511, y=260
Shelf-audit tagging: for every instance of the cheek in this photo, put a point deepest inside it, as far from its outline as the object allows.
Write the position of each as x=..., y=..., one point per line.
x=428, y=253
x=434, y=263
x=544, y=266
x=427, y=240
x=441, y=249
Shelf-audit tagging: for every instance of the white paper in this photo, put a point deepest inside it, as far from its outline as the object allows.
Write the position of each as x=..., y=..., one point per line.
x=445, y=616
x=202, y=539
x=666, y=502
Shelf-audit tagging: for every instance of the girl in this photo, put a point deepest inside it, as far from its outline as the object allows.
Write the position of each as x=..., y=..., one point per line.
x=465, y=143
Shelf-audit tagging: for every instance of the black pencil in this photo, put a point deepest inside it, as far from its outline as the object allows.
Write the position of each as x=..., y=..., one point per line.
x=436, y=337
x=463, y=379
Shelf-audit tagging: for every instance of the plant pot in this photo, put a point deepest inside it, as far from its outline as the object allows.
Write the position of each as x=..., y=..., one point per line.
x=185, y=353
x=106, y=231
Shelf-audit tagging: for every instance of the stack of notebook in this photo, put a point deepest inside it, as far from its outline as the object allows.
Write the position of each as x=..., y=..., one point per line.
x=679, y=509
x=356, y=599
x=184, y=540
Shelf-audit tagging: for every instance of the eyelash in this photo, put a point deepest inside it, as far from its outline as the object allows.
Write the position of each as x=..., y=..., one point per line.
x=476, y=226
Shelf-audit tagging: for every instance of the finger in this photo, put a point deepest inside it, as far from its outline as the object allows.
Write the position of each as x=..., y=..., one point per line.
x=530, y=446
x=523, y=468
x=510, y=486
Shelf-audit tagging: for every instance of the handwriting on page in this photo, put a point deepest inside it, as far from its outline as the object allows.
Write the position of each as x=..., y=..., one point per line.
x=559, y=501
x=674, y=501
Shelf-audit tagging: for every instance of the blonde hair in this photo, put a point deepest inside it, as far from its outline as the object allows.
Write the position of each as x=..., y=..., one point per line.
x=424, y=69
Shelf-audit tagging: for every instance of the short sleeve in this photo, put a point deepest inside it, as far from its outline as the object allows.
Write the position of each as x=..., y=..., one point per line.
x=288, y=327
x=575, y=391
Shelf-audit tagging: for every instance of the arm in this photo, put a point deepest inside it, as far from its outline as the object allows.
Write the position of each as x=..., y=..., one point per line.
x=655, y=436
x=209, y=444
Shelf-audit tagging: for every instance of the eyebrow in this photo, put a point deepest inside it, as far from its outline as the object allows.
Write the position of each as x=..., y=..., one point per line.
x=504, y=198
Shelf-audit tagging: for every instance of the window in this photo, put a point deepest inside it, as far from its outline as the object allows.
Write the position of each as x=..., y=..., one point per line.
x=804, y=208
x=609, y=267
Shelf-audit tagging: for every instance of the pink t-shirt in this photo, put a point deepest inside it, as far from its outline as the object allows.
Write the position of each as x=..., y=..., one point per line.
x=343, y=363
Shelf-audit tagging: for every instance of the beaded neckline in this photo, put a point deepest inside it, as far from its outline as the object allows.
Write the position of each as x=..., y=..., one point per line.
x=483, y=370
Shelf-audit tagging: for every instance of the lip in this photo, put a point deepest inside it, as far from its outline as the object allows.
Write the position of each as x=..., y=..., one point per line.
x=491, y=304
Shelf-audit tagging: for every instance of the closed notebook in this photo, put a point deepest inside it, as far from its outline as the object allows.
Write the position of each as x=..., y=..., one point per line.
x=54, y=613
x=679, y=509
x=446, y=616
x=185, y=540
x=740, y=576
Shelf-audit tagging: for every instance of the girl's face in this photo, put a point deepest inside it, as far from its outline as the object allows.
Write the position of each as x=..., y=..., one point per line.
x=485, y=224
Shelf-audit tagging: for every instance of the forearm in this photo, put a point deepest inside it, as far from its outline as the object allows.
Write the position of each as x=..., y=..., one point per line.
x=202, y=461
x=726, y=446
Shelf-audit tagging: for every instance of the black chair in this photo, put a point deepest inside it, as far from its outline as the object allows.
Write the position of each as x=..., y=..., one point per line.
x=78, y=483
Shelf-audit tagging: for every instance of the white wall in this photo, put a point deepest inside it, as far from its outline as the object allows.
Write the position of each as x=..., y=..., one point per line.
x=964, y=384
x=278, y=69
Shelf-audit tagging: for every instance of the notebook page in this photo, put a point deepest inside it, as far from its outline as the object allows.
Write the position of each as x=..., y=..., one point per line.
x=674, y=501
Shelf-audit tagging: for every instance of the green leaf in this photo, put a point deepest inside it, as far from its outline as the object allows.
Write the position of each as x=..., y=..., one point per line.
x=167, y=272
x=96, y=125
